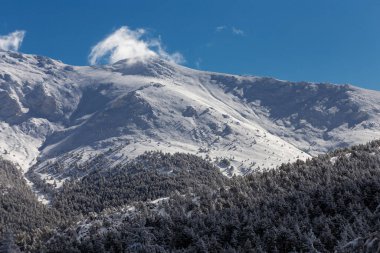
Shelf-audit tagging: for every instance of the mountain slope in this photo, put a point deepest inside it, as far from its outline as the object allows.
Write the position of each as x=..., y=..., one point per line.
x=61, y=118
x=329, y=203
x=20, y=211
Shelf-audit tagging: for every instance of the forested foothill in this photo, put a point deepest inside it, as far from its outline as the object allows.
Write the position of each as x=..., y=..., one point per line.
x=182, y=203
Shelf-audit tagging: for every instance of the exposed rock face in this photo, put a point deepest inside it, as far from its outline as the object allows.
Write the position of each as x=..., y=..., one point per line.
x=41, y=103
x=190, y=112
x=9, y=106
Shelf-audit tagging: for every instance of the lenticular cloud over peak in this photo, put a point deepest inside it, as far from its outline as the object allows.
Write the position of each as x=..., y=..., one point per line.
x=126, y=43
x=12, y=41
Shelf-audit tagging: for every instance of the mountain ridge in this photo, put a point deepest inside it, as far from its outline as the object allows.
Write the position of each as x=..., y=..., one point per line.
x=57, y=113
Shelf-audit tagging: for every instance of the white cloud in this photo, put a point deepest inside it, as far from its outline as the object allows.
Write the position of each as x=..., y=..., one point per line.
x=198, y=63
x=233, y=29
x=220, y=28
x=237, y=31
x=12, y=41
x=125, y=43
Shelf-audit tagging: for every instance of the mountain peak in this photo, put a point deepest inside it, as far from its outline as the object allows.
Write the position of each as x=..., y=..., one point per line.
x=153, y=66
x=129, y=107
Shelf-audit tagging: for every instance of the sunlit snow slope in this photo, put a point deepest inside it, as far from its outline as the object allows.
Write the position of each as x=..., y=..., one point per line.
x=59, y=117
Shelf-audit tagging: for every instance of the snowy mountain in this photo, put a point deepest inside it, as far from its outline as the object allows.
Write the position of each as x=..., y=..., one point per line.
x=57, y=119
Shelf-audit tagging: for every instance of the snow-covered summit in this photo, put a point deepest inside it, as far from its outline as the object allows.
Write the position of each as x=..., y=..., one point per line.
x=54, y=114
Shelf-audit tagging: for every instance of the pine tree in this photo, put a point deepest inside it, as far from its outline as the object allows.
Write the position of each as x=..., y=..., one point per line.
x=7, y=244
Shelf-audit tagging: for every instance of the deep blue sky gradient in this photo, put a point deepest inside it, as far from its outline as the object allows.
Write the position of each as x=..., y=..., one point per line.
x=323, y=41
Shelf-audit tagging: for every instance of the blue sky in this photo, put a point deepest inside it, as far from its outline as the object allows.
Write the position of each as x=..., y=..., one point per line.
x=300, y=40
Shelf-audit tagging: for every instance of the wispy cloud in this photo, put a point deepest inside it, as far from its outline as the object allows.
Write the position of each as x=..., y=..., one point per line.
x=126, y=43
x=198, y=63
x=220, y=28
x=233, y=30
x=12, y=41
x=237, y=31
